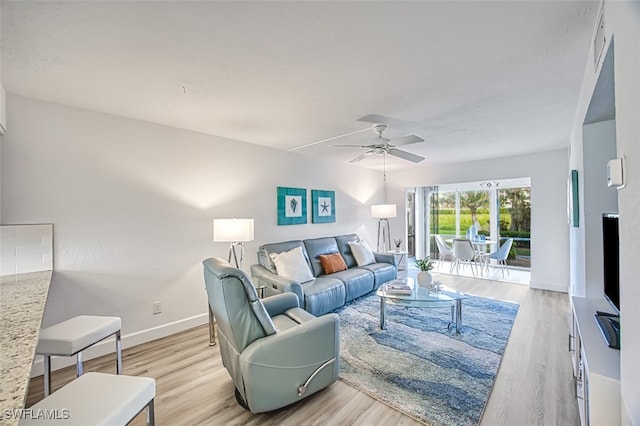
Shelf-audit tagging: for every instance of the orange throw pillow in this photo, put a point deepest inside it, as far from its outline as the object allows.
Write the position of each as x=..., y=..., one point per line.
x=332, y=263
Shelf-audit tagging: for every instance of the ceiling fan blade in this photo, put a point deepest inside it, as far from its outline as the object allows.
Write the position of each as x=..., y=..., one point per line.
x=361, y=156
x=352, y=146
x=295, y=148
x=406, y=140
x=405, y=155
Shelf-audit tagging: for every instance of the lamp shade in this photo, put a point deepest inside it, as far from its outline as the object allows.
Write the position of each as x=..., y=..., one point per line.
x=232, y=230
x=383, y=211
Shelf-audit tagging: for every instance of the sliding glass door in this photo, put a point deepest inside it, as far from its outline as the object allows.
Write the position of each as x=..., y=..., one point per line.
x=515, y=222
x=498, y=209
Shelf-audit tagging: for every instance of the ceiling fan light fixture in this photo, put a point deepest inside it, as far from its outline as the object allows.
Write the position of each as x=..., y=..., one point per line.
x=379, y=128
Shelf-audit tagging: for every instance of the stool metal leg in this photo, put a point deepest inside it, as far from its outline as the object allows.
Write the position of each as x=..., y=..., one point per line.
x=151, y=420
x=79, y=364
x=118, y=353
x=47, y=375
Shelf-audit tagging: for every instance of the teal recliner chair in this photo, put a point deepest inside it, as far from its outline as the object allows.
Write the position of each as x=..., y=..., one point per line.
x=275, y=352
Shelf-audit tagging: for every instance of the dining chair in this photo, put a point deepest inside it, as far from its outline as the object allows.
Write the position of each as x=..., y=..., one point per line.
x=500, y=256
x=464, y=252
x=444, y=250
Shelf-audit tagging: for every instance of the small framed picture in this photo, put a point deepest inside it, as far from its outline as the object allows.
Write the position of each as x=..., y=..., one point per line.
x=323, y=206
x=292, y=206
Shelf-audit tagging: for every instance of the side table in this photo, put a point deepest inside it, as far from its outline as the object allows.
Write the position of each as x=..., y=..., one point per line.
x=400, y=259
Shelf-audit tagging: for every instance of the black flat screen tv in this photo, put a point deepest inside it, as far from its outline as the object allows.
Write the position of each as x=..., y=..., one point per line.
x=610, y=255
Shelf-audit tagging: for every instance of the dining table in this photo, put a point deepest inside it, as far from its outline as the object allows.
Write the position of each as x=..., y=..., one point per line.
x=483, y=248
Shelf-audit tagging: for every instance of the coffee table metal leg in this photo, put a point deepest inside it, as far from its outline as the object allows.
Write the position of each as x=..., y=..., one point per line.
x=383, y=308
x=459, y=316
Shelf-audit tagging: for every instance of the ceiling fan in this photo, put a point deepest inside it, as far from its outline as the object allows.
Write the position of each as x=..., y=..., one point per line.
x=382, y=145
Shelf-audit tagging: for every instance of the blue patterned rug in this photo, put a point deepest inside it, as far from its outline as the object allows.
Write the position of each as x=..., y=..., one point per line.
x=417, y=365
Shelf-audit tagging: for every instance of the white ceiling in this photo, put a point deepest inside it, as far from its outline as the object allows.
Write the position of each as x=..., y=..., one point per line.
x=475, y=79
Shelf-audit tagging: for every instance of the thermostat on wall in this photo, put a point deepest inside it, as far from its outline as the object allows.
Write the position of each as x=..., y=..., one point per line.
x=615, y=172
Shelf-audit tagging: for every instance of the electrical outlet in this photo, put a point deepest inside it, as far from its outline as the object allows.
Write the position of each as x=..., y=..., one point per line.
x=157, y=308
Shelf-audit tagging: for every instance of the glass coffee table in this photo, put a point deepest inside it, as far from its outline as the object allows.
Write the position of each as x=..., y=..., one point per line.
x=419, y=297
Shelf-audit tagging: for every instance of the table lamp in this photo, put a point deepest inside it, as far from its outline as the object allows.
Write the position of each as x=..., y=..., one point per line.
x=383, y=212
x=235, y=232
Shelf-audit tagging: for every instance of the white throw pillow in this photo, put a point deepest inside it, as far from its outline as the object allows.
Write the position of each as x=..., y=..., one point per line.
x=362, y=253
x=292, y=265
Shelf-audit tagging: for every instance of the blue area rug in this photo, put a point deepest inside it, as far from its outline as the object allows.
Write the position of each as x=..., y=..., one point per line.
x=417, y=365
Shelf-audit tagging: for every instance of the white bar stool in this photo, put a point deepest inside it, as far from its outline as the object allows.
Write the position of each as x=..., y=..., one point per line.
x=96, y=399
x=74, y=335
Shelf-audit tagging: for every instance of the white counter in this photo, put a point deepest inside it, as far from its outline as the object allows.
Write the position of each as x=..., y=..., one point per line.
x=22, y=302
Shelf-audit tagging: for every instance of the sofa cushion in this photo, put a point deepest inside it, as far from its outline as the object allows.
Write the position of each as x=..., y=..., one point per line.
x=345, y=250
x=362, y=253
x=319, y=246
x=332, y=263
x=357, y=281
x=324, y=294
x=292, y=265
x=382, y=272
x=265, y=251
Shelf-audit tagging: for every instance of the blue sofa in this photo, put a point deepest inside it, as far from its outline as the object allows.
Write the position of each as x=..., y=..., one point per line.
x=325, y=292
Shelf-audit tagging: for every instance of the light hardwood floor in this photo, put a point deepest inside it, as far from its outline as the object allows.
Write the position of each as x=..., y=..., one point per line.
x=533, y=387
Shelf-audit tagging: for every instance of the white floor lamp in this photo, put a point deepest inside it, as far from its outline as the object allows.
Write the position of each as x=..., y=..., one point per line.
x=235, y=232
x=383, y=212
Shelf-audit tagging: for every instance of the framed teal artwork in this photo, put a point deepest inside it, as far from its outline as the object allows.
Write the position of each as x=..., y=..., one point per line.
x=323, y=206
x=292, y=206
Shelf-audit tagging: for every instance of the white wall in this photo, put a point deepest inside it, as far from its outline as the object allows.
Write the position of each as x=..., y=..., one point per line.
x=599, y=146
x=622, y=25
x=623, y=18
x=3, y=125
x=1, y=144
x=132, y=204
x=549, y=229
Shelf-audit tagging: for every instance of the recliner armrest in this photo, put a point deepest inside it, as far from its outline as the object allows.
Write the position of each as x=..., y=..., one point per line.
x=385, y=258
x=313, y=341
x=274, y=282
x=280, y=303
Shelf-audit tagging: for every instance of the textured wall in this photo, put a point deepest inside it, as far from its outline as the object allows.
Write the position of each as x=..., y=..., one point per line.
x=132, y=204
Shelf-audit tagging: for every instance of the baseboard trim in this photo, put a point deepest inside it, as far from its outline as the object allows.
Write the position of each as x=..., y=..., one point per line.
x=542, y=285
x=108, y=346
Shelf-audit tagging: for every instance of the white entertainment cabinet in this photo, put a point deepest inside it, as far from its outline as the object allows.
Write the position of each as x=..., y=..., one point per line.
x=596, y=366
